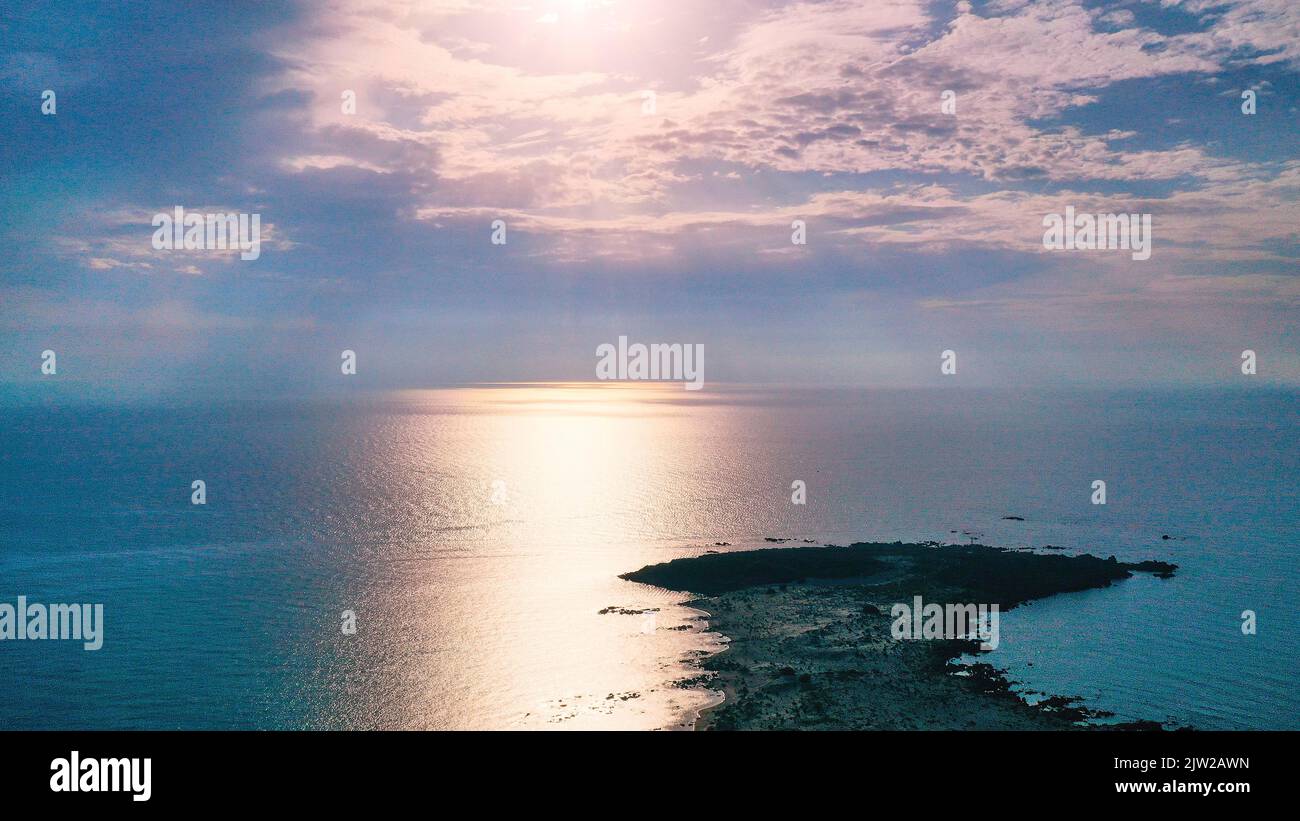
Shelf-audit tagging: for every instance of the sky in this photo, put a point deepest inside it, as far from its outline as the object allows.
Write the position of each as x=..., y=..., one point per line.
x=649, y=159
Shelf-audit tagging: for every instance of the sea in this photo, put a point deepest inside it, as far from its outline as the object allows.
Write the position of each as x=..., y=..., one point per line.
x=450, y=558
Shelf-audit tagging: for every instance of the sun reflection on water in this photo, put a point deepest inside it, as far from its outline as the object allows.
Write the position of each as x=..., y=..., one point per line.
x=501, y=617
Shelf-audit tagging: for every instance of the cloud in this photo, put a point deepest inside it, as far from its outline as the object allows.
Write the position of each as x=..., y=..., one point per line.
x=830, y=87
x=105, y=238
x=1246, y=32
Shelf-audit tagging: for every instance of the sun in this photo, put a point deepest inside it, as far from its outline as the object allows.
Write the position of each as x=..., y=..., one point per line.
x=570, y=11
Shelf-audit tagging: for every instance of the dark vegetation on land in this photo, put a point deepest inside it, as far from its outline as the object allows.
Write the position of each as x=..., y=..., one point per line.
x=988, y=574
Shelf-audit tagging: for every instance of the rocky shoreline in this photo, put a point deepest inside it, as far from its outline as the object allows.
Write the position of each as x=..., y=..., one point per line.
x=811, y=645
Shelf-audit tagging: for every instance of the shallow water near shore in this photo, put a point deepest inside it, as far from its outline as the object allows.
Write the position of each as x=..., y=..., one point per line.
x=478, y=534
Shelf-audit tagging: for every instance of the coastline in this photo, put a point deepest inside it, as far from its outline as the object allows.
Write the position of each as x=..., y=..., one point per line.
x=809, y=642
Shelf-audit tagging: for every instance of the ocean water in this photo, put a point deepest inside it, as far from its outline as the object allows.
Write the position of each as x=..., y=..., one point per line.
x=477, y=535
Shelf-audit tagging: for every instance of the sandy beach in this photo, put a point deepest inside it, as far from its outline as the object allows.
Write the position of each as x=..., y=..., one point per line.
x=811, y=644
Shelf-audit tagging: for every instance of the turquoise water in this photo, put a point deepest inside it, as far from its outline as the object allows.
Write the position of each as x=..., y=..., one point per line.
x=477, y=534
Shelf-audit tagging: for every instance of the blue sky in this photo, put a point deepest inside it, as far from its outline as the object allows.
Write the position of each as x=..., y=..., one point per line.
x=924, y=227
